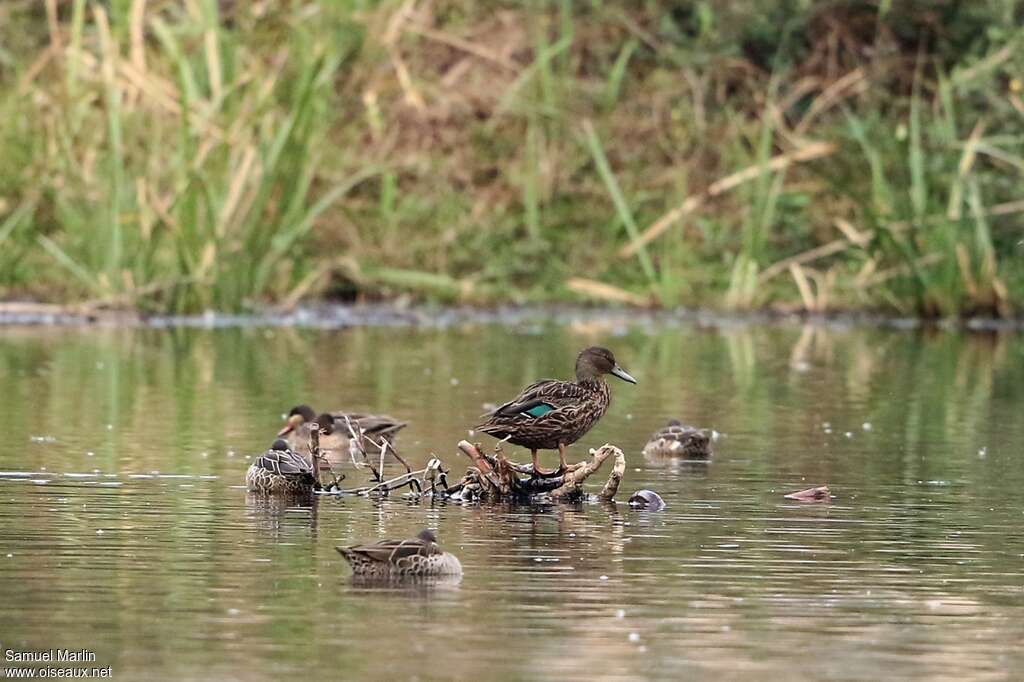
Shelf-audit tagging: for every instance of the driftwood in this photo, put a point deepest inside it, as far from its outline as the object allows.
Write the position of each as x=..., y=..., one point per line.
x=432, y=477
x=431, y=480
x=494, y=477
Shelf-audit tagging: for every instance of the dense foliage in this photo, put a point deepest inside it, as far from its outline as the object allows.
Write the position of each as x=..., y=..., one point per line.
x=190, y=154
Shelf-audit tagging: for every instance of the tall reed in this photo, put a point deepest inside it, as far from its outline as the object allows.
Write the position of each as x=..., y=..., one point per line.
x=183, y=156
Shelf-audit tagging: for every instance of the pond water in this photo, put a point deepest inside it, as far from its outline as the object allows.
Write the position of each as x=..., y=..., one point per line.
x=124, y=529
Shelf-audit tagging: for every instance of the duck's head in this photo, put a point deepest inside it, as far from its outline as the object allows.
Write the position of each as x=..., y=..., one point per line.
x=427, y=535
x=595, y=361
x=299, y=415
x=326, y=423
x=280, y=445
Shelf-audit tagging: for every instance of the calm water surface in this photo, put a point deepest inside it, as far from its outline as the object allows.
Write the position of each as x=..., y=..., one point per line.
x=124, y=529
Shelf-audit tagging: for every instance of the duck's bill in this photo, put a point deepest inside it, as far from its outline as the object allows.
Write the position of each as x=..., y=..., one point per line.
x=623, y=374
x=289, y=425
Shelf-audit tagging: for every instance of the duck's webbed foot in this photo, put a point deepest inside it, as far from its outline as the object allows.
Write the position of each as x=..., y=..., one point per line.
x=540, y=473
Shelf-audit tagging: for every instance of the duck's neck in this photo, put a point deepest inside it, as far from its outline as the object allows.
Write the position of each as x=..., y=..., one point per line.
x=594, y=383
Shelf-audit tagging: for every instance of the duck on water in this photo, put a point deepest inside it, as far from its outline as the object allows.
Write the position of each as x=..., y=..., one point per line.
x=283, y=471
x=377, y=430
x=420, y=556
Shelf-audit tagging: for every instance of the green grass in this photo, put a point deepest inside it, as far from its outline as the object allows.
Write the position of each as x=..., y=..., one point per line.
x=185, y=159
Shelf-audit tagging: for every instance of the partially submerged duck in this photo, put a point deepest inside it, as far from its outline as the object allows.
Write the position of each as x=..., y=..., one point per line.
x=819, y=494
x=283, y=471
x=678, y=440
x=420, y=556
x=551, y=414
x=334, y=431
x=646, y=499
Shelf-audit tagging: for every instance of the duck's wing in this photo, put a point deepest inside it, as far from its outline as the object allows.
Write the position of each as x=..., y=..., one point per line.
x=371, y=424
x=665, y=433
x=379, y=425
x=541, y=398
x=390, y=551
x=284, y=462
x=682, y=432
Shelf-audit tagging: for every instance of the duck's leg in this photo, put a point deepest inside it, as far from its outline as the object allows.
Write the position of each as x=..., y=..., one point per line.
x=537, y=471
x=561, y=458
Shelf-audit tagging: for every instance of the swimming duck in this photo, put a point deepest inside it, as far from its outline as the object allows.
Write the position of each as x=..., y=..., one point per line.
x=551, y=414
x=646, y=499
x=677, y=440
x=281, y=470
x=416, y=557
x=334, y=433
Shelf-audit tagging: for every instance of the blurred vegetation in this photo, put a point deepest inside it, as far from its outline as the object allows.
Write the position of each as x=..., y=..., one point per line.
x=182, y=155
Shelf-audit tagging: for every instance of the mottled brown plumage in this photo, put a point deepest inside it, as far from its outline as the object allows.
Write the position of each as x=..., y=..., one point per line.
x=678, y=440
x=415, y=557
x=281, y=470
x=551, y=414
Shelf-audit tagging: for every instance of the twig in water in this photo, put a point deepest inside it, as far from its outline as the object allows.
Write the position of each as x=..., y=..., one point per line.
x=394, y=452
x=355, y=444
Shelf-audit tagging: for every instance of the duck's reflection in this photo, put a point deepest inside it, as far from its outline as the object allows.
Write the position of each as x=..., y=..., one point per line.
x=283, y=514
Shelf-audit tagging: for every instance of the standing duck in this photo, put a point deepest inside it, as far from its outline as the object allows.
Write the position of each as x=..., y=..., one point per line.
x=334, y=433
x=420, y=556
x=677, y=440
x=280, y=470
x=551, y=414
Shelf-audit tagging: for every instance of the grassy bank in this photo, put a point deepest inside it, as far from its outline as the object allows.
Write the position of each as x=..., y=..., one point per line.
x=179, y=155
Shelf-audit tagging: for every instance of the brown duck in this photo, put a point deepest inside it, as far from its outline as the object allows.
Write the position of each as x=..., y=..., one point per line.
x=551, y=414
x=334, y=431
x=420, y=556
x=679, y=440
x=283, y=471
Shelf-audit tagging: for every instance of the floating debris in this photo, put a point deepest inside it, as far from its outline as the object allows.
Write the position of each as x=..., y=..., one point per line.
x=819, y=494
x=497, y=478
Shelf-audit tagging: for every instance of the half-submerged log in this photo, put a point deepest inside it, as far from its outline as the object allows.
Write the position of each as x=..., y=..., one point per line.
x=493, y=477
